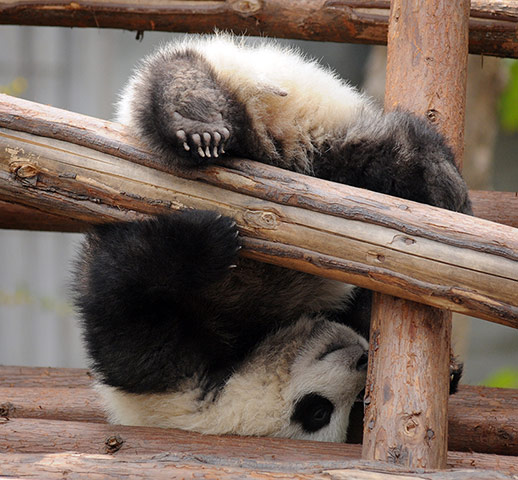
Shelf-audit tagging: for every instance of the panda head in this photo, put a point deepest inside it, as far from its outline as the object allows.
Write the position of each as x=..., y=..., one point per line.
x=301, y=382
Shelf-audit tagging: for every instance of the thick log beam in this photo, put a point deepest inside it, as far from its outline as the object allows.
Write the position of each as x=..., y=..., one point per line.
x=121, y=445
x=406, y=415
x=493, y=24
x=166, y=466
x=77, y=167
x=481, y=419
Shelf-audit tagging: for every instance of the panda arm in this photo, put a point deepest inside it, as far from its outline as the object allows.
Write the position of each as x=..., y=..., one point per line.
x=141, y=287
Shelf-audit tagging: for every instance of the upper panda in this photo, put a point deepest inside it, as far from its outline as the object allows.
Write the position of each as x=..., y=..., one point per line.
x=181, y=331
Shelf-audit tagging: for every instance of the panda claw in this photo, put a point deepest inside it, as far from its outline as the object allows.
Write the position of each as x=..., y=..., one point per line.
x=232, y=266
x=200, y=152
x=186, y=146
x=225, y=132
x=207, y=152
x=215, y=152
x=180, y=134
x=196, y=139
x=217, y=138
x=206, y=138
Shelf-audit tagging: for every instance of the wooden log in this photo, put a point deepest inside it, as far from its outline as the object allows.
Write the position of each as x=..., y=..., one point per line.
x=402, y=248
x=166, y=466
x=51, y=437
x=499, y=207
x=406, y=416
x=481, y=419
x=493, y=24
x=36, y=377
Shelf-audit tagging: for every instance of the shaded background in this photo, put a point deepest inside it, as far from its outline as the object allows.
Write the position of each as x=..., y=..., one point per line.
x=82, y=71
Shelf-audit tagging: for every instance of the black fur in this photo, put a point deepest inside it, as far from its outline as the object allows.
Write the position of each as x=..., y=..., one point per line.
x=160, y=300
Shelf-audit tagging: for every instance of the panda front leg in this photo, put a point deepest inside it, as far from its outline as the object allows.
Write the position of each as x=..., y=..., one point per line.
x=140, y=289
x=398, y=154
x=177, y=104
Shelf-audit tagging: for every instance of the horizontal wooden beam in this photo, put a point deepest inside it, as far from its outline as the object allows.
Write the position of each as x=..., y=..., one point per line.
x=481, y=419
x=77, y=167
x=121, y=449
x=493, y=23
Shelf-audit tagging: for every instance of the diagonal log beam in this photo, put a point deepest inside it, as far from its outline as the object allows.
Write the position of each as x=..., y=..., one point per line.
x=493, y=24
x=90, y=170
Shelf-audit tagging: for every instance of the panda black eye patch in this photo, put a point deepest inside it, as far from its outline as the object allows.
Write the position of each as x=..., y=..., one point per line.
x=313, y=412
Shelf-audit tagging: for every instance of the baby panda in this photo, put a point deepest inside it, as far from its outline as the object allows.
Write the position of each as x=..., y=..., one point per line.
x=181, y=332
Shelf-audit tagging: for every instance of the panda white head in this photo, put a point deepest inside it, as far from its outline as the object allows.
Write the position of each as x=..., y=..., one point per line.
x=300, y=382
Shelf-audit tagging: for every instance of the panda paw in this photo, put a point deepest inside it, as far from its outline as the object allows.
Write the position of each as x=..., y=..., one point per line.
x=224, y=242
x=200, y=140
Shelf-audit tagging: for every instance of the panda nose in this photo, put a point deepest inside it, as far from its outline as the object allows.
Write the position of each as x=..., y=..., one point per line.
x=363, y=361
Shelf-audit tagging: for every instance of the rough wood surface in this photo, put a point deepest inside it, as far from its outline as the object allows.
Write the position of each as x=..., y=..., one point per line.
x=493, y=24
x=407, y=386
x=406, y=415
x=499, y=207
x=481, y=419
x=176, y=447
x=76, y=167
x=166, y=466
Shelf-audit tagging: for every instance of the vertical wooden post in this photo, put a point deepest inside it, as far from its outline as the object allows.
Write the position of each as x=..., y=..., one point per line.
x=408, y=382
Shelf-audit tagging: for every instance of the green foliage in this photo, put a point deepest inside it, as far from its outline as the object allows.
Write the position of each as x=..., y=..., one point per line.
x=22, y=296
x=15, y=88
x=509, y=100
x=503, y=378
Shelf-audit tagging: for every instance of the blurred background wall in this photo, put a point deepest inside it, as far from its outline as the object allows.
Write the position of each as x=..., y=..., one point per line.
x=82, y=71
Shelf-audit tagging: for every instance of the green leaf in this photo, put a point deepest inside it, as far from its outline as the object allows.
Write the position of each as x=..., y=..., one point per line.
x=509, y=100
x=503, y=378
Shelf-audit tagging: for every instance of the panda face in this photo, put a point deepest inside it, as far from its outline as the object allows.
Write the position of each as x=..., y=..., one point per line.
x=326, y=377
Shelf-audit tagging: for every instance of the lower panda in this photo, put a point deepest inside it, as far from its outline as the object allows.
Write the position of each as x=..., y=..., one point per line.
x=181, y=332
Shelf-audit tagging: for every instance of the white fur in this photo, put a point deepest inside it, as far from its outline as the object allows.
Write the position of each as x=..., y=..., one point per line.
x=294, y=98
x=259, y=398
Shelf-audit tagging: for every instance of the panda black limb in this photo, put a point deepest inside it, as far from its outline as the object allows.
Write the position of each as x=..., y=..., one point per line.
x=181, y=332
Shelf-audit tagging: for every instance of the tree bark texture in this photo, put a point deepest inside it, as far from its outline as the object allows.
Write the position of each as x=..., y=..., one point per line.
x=76, y=167
x=117, y=444
x=406, y=417
x=481, y=419
x=166, y=466
x=493, y=24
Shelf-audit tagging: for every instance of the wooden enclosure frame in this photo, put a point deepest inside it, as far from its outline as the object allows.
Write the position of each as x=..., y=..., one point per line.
x=57, y=171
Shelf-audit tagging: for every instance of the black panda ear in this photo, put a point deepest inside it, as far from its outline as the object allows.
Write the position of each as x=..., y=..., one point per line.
x=313, y=412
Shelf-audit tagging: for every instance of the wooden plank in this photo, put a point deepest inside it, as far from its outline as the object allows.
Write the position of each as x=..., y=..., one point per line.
x=481, y=419
x=24, y=438
x=402, y=248
x=493, y=24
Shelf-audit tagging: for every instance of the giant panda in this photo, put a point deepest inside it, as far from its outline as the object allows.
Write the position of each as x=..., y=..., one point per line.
x=180, y=330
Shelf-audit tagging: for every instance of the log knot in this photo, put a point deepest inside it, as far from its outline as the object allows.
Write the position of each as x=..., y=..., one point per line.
x=261, y=219
x=113, y=443
x=246, y=7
